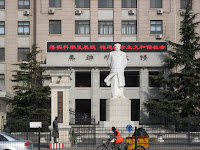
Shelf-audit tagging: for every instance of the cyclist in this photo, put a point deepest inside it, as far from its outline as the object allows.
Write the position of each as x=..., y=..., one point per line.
x=118, y=138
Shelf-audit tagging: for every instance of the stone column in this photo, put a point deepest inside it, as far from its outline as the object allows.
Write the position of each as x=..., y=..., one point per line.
x=60, y=102
x=72, y=90
x=94, y=20
x=144, y=83
x=95, y=94
x=117, y=20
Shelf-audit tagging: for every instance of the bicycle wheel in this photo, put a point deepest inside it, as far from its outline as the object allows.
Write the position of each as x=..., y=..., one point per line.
x=140, y=148
x=102, y=147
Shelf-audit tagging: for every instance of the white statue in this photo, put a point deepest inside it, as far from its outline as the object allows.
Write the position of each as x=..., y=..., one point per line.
x=117, y=62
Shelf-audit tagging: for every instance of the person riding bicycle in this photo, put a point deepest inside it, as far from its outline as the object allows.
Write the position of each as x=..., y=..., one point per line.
x=118, y=138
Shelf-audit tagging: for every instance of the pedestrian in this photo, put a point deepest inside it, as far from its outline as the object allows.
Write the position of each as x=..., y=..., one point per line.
x=55, y=133
x=6, y=129
x=118, y=138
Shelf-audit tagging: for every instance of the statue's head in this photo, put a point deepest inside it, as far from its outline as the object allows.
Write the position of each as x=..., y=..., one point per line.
x=117, y=47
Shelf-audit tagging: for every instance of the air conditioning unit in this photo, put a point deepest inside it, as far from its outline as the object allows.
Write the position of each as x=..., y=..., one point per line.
x=26, y=12
x=158, y=36
x=131, y=12
x=78, y=12
x=160, y=11
x=182, y=12
x=51, y=11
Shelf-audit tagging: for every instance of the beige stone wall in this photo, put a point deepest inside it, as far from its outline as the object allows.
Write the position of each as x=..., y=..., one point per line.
x=94, y=20
x=196, y=6
x=65, y=14
x=11, y=15
x=10, y=41
x=145, y=14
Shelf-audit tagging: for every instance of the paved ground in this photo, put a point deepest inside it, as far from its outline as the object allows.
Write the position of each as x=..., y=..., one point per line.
x=156, y=147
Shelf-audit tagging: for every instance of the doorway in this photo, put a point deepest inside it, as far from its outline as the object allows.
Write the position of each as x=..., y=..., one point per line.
x=102, y=109
x=135, y=109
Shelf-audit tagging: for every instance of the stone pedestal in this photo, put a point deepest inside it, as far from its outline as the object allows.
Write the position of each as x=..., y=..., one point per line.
x=118, y=113
x=118, y=109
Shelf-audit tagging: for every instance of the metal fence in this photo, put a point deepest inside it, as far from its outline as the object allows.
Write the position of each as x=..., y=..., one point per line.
x=160, y=138
x=165, y=132
x=20, y=128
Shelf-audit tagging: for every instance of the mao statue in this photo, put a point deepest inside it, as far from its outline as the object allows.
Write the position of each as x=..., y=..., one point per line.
x=117, y=62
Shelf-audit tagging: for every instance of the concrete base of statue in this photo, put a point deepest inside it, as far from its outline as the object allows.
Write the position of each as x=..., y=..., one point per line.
x=118, y=109
x=118, y=113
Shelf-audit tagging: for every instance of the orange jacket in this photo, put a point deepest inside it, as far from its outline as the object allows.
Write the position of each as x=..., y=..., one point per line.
x=118, y=138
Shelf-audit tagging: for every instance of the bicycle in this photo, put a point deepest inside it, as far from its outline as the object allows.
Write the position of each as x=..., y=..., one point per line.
x=108, y=145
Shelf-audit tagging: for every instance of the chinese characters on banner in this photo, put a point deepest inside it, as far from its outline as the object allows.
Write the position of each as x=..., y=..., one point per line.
x=106, y=46
x=60, y=107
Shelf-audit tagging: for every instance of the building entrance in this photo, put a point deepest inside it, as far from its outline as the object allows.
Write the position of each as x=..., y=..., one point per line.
x=103, y=110
x=135, y=109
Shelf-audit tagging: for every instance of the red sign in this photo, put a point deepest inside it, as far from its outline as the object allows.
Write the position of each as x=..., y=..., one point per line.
x=106, y=46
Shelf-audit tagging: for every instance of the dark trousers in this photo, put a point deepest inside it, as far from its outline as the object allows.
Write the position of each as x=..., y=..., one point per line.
x=117, y=147
x=55, y=140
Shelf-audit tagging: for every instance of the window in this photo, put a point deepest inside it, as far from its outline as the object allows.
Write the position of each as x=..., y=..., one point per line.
x=22, y=83
x=23, y=27
x=83, y=79
x=2, y=54
x=156, y=27
x=2, y=27
x=2, y=138
x=55, y=3
x=82, y=27
x=155, y=3
x=54, y=26
x=2, y=79
x=132, y=78
x=152, y=80
x=129, y=3
x=23, y=4
x=82, y=3
x=105, y=3
x=105, y=27
x=22, y=52
x=129, y=27
x=2, y=4
x=184, y=4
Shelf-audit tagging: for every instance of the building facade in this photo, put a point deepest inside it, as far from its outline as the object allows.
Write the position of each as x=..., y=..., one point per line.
x=25, y=22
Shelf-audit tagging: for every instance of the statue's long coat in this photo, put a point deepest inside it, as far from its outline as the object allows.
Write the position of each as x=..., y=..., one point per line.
x=117, y=62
